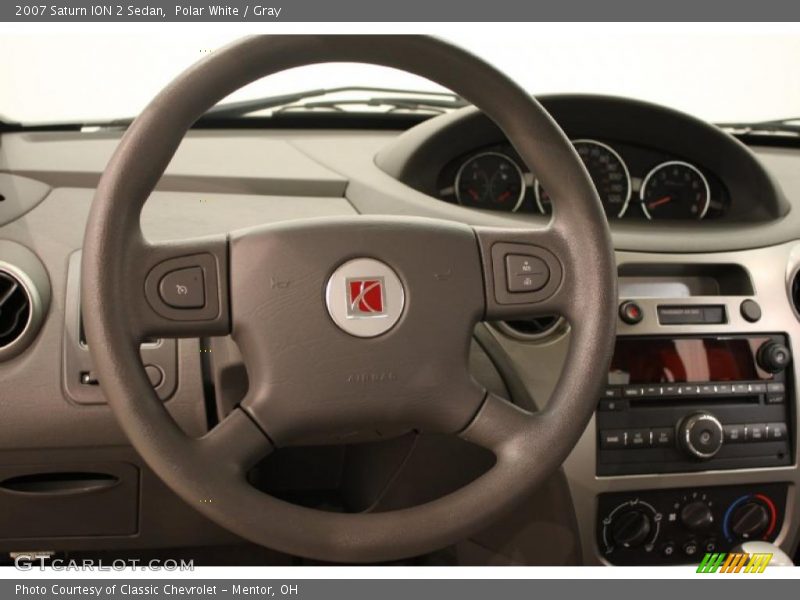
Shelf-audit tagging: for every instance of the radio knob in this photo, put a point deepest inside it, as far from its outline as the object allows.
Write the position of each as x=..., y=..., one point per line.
x=749, y=521
x=700, y=434
x=697, y=516
x=631, y=528
x=773, y=357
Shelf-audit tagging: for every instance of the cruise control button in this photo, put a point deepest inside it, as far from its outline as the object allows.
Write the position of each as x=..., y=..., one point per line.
x=183, y=288
x=526, y=273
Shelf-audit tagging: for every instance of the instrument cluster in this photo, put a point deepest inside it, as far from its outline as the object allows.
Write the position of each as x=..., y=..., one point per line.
x=633, y=183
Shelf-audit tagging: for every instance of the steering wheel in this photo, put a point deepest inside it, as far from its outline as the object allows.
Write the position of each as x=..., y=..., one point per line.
x=350, y=329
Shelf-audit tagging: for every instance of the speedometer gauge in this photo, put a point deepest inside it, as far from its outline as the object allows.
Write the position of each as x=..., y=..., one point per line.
x=675, y=190
x=490, y=180
x=609, y=175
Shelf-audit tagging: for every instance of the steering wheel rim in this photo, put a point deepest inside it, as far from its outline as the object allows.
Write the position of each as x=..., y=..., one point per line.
x=120, y=268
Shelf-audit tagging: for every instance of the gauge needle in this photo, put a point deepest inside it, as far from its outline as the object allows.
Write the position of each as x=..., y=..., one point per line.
x=659, y=202
x=474, y=194
x=502, y=197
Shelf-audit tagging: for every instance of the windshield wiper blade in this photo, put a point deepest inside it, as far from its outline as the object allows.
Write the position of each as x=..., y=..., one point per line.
x=394, y=104
x=232, y=110
x=789, y=125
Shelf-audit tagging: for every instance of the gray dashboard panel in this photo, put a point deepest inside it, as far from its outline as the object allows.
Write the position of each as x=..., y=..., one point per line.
x=207, y=162
x=316, y=169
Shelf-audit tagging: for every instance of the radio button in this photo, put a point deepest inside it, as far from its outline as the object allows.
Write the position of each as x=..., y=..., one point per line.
x=664, y=437
x=733, y=434
x=689, y=390
x=701, y=434
x=639, y=438
x=651, y=390
x=755, y=432
x=632, y=391
x=776, y=432
x=725, y=388
x=758, y=388
x=613, y=439
x=708, y=389
x=740, y=388
x=609, y=405
x=612, y=392
x=669, y=390
x=776, y=387
x=776, y=398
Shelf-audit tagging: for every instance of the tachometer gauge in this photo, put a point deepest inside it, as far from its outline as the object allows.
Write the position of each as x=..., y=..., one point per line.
x=490, y=180
x=675, y=190
x=608, y=172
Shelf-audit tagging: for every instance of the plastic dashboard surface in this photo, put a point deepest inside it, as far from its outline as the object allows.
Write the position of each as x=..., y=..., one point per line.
x=295, y=174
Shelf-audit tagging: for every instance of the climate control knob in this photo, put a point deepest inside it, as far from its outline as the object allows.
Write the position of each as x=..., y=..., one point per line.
x=750, y=520
x=631, y=528
x=700, y=434
x=697, y=516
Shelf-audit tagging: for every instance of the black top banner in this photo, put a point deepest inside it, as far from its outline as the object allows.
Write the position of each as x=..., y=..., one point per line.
x=400, y=11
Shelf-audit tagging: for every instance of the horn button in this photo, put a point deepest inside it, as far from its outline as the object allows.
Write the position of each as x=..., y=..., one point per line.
x=357, y=327
x=365, y=297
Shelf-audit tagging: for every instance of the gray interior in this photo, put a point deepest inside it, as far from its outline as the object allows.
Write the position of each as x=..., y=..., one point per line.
x=226, y=180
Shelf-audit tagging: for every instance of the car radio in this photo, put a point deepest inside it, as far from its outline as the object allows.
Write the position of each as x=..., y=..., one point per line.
x=694, y=403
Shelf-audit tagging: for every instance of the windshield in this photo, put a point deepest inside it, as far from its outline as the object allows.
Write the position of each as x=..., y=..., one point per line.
x=721, y=77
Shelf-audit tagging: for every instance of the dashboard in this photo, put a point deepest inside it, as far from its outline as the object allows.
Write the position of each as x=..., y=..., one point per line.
x=707, y=238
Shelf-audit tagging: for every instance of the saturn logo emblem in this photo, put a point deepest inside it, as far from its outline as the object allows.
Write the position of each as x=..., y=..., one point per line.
x=365, y=297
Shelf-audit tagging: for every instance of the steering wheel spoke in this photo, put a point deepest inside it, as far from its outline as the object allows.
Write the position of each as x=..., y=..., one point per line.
x=238, y=440
x=181, y=289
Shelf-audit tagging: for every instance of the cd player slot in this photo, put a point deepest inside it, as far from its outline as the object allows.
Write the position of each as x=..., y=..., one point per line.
x=691, y=403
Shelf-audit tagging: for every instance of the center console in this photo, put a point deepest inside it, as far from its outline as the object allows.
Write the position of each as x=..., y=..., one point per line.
x=690, y=403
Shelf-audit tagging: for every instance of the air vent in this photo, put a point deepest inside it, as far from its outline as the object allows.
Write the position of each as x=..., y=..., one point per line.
x=795, y=291
x=15, y=309
x=532, y=329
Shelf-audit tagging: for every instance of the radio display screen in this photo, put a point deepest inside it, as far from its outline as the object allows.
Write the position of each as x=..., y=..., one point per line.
x=686, y=360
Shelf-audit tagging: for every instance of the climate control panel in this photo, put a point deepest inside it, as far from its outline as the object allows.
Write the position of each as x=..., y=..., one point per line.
x=658, y=527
